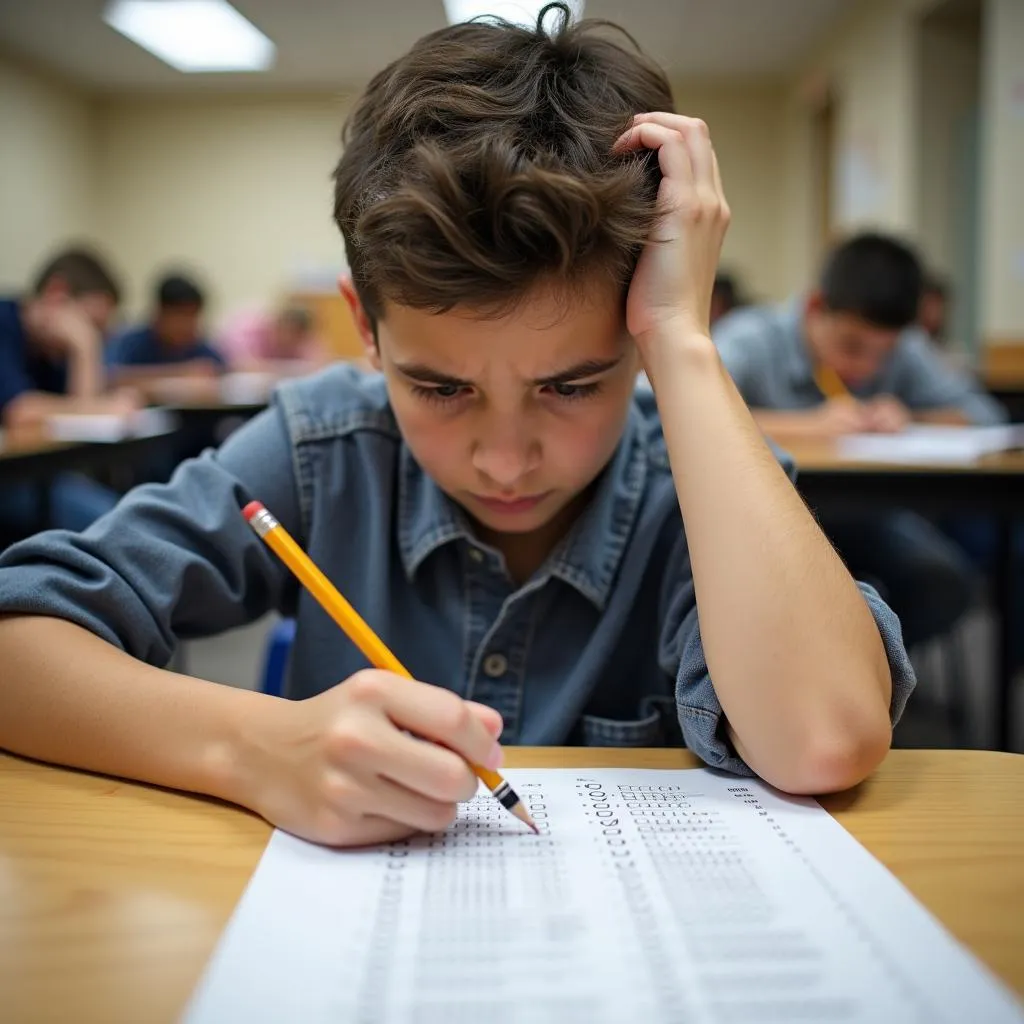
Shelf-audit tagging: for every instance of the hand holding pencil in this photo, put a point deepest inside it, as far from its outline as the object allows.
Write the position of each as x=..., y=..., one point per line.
x=385, y=782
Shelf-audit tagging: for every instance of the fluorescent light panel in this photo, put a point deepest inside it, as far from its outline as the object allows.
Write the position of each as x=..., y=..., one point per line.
x=192, y=35
x=519, y=12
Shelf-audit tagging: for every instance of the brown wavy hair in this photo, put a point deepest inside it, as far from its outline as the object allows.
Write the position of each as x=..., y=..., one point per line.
x=479, y=165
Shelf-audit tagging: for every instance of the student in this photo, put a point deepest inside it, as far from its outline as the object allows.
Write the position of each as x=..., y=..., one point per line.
x=498, y=503
x=281, y=340
x=725, y=296
x=51, y=345
x=170, y=345
x=848, y=358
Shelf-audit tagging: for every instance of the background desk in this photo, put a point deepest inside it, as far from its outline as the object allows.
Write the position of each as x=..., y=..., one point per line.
x=32, y=457
x=994, y=487
x=113, y=895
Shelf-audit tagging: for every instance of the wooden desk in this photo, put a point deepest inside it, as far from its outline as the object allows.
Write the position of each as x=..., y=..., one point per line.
x=113, y=895
x=993, y=486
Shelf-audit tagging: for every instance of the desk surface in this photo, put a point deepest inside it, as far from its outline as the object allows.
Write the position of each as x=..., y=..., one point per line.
x=824, y=456
x=26, y=444
x=113, y=895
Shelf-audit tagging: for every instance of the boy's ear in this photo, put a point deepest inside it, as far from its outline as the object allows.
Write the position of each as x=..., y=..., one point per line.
x=360, y=319
x=816, y=302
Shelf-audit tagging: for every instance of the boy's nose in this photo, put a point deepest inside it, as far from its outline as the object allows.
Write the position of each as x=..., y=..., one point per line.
x=504, y=460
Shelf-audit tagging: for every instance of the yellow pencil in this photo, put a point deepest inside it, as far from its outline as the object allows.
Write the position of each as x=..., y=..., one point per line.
x=830, y=384
x=358, y=631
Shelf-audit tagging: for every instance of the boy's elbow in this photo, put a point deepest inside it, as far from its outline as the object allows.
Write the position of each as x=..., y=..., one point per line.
x=840, y=755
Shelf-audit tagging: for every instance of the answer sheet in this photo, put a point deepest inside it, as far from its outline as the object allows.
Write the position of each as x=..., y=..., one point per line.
x=649, y=896
x=923, y=444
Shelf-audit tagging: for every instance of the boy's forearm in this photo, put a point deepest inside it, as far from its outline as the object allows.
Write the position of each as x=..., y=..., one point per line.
x=793, y=651
x=68, y=697
x=85, y=366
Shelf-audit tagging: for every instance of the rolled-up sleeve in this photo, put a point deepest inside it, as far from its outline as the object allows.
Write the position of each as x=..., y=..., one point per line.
x=170, y=562
x=681, y=656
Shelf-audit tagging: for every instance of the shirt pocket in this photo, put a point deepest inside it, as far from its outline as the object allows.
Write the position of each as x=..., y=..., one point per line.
x=657, y=726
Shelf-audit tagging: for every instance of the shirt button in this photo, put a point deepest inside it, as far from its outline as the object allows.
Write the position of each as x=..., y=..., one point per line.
x=495, y=665
x=476, y=555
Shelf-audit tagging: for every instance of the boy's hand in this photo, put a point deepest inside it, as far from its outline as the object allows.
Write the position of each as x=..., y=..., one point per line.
x=671, y=287
x=887, y=415
x=839, y=416
x=340, y=768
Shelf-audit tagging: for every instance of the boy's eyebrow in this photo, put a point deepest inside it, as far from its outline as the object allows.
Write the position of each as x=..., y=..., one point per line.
x=588, y=368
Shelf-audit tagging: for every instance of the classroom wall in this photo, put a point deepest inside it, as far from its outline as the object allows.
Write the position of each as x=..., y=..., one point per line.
x=869, y=63
x=746, y=123
x=236, y=189
x=47, y=169
x=1002, y=220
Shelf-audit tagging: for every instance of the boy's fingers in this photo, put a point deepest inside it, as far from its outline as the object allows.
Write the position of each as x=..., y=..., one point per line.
x=698, y=142
x=673, y=154
x=412, y=810
x=491, y=719
x=442, y=716
x=418, y=765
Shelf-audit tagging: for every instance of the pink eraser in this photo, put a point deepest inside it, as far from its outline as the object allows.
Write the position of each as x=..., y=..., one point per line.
x=253, y=509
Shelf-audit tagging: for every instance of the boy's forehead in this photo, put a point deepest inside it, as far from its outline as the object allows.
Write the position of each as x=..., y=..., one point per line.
x=539, y=330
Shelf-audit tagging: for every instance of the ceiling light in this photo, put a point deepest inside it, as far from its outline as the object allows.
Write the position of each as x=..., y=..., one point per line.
x=519, y=12
x=192, y=35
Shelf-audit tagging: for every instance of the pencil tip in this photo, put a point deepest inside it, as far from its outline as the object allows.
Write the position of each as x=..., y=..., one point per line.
x=524, y=816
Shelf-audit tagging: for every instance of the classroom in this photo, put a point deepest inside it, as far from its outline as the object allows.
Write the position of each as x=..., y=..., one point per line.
x=511, y=510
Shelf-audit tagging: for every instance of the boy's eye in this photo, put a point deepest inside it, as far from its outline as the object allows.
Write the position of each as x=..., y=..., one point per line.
x=439, y=393
x=570, y=391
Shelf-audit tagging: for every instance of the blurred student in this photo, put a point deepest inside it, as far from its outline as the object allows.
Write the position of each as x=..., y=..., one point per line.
x=849, y=357
x=933, y=307
x=283, y=340
x=725, y=296
x=170, y=345
x=51, y=361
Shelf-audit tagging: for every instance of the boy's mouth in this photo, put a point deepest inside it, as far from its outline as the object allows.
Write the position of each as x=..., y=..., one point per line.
x=511, y=506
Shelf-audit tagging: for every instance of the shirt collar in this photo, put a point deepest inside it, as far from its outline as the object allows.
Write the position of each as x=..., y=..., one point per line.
x=587, y=558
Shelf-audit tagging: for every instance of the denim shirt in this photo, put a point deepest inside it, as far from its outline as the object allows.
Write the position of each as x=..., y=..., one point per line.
x=601, y=646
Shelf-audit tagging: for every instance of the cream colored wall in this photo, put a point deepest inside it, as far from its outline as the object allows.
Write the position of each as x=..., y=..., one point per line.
x=870, y=63
x=47, y=170
x=949, y=76
x=236, y=189
x=1002, y=220
x=746, y=123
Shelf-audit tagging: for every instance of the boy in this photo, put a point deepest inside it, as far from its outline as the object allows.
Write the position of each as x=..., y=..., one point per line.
x=279, y=341
x=496, y=503
x=170, y=345
x=51, y=361
x=850, y=358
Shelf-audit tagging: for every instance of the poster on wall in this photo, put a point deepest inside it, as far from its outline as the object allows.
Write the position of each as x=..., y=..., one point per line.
x=862, y=187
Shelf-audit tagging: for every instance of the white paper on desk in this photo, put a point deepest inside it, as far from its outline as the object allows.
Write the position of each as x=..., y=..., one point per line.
x=923, y=444
x=651, y=896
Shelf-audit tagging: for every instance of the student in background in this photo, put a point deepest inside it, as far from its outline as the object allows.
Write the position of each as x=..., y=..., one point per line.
x=280, y=341
x=499, y=501
x=170, y=345
x=51, y=361
x=725, y=296
x=849, y=357
x=933, y=308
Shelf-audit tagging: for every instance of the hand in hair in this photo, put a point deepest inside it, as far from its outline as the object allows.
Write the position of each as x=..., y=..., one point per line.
x=671, y=287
